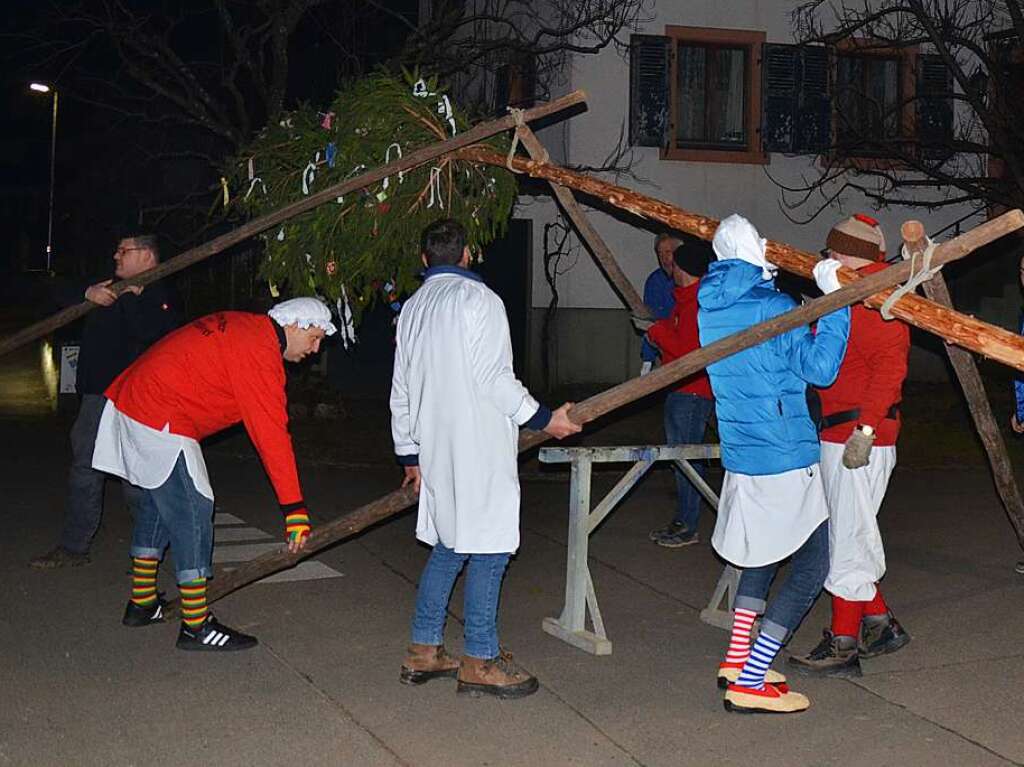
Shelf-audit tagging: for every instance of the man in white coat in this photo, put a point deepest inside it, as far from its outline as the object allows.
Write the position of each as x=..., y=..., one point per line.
x=456, y=409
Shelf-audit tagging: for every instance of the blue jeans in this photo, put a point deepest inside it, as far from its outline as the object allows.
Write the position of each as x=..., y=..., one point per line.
x=177, y=514
x=483, y=586
x=686, y=418
x=84, y=506
x=807, y=570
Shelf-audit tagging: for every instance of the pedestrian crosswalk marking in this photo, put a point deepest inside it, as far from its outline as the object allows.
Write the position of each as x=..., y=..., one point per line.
x=234, y=534
x=234, y=542
x=310, y=570
x=223, y=518
x=243, y=552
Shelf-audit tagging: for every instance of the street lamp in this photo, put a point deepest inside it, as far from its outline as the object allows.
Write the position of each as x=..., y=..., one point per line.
x=43, y=88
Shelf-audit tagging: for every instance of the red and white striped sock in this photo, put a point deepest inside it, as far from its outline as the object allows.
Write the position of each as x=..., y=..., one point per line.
x=739, y=641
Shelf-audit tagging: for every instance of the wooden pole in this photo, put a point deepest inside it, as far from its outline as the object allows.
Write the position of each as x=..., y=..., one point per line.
x=956, y=328
x=974, y=390
x=617, y=396
x=263, y=223
x=600, y=251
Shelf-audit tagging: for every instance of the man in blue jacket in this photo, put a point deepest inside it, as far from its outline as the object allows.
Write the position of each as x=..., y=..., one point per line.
x=659, y=294
x=772, y=504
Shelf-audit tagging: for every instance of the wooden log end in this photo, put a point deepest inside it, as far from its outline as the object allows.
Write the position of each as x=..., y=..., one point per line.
x=912, y=231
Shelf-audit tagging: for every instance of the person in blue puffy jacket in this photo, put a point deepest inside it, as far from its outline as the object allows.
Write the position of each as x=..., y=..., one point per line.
x=773, y=503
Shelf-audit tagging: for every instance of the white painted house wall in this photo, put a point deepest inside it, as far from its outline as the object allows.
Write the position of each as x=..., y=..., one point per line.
x=595, y=340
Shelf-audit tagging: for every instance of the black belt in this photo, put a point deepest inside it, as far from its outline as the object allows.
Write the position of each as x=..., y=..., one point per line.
x=845, y=416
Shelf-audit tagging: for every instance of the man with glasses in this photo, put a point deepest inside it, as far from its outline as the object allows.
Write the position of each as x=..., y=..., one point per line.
x=122, y=326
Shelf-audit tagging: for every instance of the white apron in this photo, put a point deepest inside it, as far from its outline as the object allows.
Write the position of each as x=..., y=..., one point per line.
x=762, y=519
x=856, y=555
x=455, y=401
x=144, y=456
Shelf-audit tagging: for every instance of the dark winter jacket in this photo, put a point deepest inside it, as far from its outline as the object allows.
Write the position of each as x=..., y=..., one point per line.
x=114, y=336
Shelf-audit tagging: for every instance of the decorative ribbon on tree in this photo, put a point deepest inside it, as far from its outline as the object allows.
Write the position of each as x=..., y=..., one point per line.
x=346, y=251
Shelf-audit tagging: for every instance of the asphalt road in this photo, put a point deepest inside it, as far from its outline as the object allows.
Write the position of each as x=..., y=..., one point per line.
x=77, y=688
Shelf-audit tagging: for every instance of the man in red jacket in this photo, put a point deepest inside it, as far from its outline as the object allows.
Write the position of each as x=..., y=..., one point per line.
x=219, y=370
x=688, y=407
x=860, y=424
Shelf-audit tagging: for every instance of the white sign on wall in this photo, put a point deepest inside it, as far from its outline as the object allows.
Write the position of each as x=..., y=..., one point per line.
x=68, y=369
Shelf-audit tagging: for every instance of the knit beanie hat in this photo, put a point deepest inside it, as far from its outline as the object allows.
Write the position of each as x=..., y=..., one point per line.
x=693, y=257
x=304, y=312
x=859, y=236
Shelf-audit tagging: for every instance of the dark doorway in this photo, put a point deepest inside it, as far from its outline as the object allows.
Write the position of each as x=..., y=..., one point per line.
x=506, y=271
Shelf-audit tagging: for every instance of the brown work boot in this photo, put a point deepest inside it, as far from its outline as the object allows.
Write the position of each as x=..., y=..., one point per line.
x=833, y=656
x=58, y=557
x=425, y=662
x=499, y=676
x=881, y=634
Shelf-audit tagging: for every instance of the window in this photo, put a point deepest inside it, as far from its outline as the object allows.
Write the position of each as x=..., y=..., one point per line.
x=714, y=112
x=873, y=101
x=515, y=85
x=867, y=97
x=711, y=106
x=721, y=95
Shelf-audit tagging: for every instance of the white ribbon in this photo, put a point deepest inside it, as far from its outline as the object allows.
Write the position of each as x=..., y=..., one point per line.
x=309, y=174
x=356, y=169
x=444, y=107
x=435, y=182
x=347, y=327
x=387, y=159
x=252, y=185
x=917, y=276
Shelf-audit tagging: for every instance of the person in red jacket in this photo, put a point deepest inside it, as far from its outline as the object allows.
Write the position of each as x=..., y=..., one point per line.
x=860, y=424
x=217, y=371
x=688, y=407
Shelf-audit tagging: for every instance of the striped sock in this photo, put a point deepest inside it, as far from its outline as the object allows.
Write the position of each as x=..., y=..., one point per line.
x=144, y=581
x=739, y=641
x=761, y=657
x=193, y=602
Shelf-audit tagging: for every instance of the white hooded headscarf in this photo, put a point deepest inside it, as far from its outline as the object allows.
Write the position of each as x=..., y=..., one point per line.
x=304, y=312
x=736, y=237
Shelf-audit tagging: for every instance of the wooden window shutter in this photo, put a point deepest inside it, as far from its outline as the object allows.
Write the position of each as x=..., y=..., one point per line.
x=779, y=74
x=796, y=116
x=648, y=90
x=934, y=109
x=814, y=104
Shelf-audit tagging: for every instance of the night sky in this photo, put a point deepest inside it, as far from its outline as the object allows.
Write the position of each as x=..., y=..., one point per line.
x=105, y=169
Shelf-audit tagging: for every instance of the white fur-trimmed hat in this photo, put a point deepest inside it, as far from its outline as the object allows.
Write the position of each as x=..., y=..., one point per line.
x=859, y=236
x=305, y=312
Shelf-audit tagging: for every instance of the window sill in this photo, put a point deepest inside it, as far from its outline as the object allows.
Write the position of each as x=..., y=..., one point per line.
x=864, y=163
x=737, y=156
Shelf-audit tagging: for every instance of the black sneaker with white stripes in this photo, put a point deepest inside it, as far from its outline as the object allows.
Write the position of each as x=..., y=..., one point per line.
x=214, y=636
x=144, y=615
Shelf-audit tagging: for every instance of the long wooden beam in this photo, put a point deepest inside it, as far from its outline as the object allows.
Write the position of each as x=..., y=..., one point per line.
x=974, y=391
x=617, y=396
x=201, y=252
x=587, y=231
x=952, y=326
